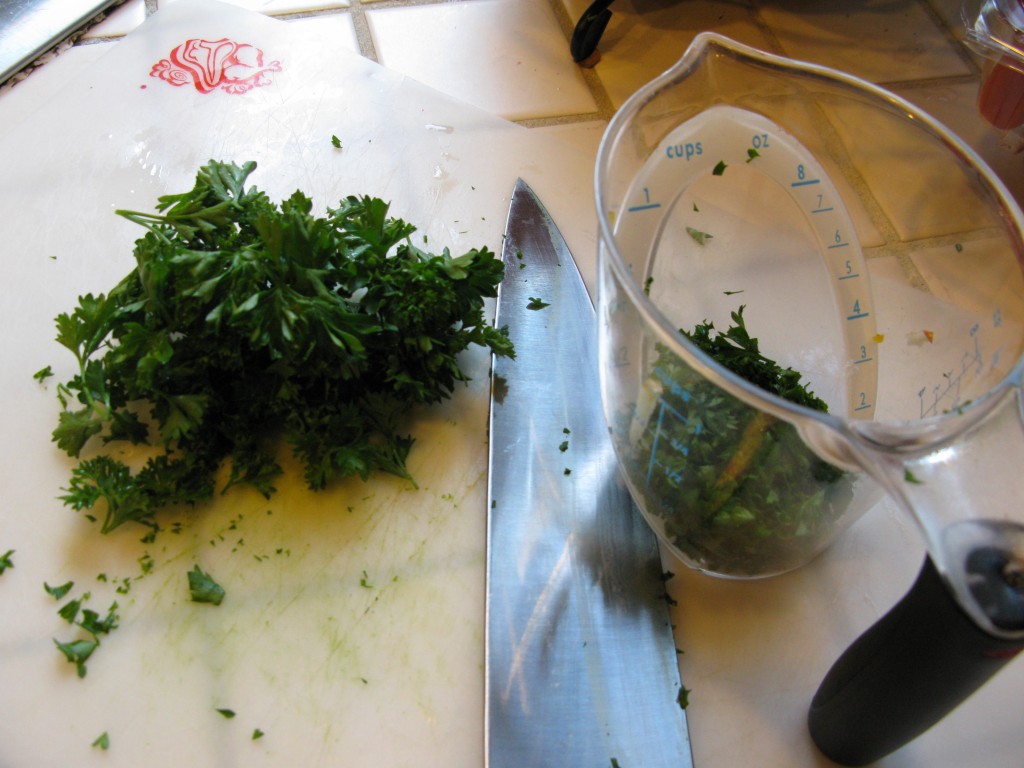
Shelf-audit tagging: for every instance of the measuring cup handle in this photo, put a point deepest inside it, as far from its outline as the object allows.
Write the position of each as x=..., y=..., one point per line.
x=904, y=674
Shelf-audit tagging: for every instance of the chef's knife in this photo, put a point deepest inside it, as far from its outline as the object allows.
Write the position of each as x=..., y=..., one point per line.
x=581, y=660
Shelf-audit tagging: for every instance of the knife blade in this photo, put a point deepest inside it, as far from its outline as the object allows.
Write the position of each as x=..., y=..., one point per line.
x=581, y=665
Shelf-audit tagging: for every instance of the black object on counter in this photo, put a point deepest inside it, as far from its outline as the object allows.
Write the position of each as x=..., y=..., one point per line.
x=919, y=661
x=589, y=29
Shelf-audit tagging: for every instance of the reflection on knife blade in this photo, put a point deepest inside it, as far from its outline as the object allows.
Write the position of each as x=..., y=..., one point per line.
x=581, y=661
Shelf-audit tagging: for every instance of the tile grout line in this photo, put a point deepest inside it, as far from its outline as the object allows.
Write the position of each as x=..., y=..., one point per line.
x=364, y=36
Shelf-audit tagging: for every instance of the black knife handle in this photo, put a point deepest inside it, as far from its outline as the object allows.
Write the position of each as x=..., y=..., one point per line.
x=909, y=670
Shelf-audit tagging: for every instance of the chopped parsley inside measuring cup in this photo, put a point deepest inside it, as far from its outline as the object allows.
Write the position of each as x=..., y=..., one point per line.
x=736, y=490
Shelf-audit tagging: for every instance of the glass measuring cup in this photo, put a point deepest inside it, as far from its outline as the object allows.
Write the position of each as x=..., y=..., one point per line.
x=757, y=194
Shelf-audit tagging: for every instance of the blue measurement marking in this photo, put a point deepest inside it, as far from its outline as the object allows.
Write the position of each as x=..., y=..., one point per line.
x=804, y=183
x=837, y=245
x=971, y=362
x=849, y=277
x=822, y=210
x=647, y=207
x=862, y=407
x=860, y=360
x=858, y=316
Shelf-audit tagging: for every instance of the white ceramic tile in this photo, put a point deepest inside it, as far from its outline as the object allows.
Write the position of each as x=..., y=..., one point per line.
x=915, y=184
x=338, y=26
x=951, y=13
x=644, y=39
x=466, y=50
x=955, y=105
x=586, y=135
x=883, y=41
x=120, y=21
x=977, y=275
x=276, y=7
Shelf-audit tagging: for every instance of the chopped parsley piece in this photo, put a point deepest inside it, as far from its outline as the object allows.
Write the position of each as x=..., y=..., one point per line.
x=204, y=589
x=719, y=168
x=80, y=650
x=227, y=713
x=43, y=374
x=257, y=734
x=57, y=592
x=77, y=652
x=69, y=611
x=6, y=561
x=335, y=142
x=701, y=238
x=94, y=625
x=102, y=741
x=752, y=154
x=737, y=490
x=910, y=477
x=537, y=303
x=683, y=699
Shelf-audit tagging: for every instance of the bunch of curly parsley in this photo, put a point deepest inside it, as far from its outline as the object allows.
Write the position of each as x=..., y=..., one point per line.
x=244, y=323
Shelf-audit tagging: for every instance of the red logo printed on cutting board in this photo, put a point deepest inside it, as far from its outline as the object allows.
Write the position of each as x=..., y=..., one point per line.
x=210, y=65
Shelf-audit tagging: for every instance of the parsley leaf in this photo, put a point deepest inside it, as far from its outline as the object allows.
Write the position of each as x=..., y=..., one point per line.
x=6, y=561
x=537, y=303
